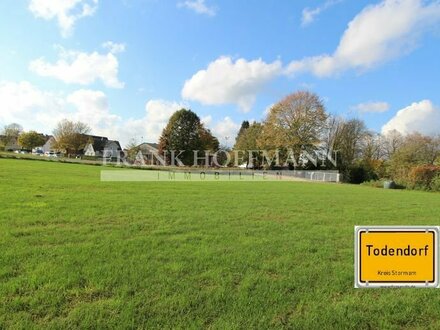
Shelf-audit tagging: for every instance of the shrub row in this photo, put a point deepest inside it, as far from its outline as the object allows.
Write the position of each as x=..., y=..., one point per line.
x=424, y=177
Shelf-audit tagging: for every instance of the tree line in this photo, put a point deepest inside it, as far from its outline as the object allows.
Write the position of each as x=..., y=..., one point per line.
x=300, y=121
x=296, y=124
x=69, y=136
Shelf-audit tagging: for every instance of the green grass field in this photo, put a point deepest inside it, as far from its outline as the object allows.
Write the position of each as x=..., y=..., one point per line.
x=77, y=252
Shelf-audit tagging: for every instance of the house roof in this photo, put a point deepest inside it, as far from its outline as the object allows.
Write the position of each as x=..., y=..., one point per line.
x=98, y=142
x=147, y=145
x=113, y=141
x=48, y=137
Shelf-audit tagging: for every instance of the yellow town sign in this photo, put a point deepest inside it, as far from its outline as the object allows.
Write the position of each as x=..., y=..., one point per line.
x=396, y=256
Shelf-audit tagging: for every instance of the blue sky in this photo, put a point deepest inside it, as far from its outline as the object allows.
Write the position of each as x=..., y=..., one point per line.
x=123, y=66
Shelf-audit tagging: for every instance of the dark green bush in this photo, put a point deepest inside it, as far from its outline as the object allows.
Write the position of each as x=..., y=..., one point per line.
x=359, y=173
x=435, y=184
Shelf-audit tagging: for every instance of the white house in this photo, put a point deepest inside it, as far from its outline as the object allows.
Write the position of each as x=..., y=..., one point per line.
x=49, y=145
x=112, y=149
x=100, y=146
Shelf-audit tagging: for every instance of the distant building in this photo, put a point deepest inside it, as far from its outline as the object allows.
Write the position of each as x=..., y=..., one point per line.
x=150, y=153
x=48, y=146
x=12, y=144
x=100, y=146
x=149, y=148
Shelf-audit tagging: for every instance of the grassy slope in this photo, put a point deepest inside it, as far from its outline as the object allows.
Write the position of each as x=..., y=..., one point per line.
x=78, y=252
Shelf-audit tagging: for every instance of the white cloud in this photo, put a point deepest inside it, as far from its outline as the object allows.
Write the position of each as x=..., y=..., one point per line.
x=206, y=120
x=371, y=107
x=80, y=68
x=422, y=117
x=113, y=47
x=149, y=128
x=377, y=34
x=92, y=108
x=309, y=15
x=27, y=105
x=228, y=82
x=198, y=6
x=66, y=12
x=33, y=108
x=225, y=130
x=268, y=108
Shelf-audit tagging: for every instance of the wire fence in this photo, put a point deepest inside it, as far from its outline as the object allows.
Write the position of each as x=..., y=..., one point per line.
x=324, y=176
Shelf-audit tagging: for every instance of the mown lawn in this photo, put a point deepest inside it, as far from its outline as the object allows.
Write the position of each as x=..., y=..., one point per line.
x=76, y=252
